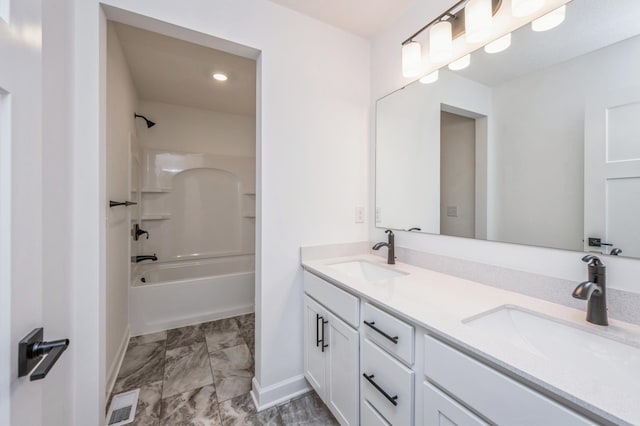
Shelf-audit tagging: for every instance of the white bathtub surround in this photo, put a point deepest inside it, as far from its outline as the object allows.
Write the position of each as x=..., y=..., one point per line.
x=622, y=305
x=177, y=294
x=440, y=303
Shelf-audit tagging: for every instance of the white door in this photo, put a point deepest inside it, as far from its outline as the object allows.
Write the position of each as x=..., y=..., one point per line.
x=343, y=371
x=612, y=172
x=314, y=356
x=21, y=201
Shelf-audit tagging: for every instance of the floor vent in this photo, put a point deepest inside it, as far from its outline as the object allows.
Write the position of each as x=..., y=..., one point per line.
x=123, y=408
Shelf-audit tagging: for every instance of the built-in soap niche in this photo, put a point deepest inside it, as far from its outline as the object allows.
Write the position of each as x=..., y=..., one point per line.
x=198, y=205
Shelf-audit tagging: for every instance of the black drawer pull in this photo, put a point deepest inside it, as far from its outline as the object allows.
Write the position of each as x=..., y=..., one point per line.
x=372, y=325
x=392, y=399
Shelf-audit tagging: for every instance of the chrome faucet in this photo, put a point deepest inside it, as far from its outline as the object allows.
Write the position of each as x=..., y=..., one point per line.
x=594, y=290
x=391, y=253
x=137, y=259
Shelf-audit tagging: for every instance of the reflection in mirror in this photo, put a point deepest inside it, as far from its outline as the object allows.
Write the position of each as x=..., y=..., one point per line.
x=537, y=144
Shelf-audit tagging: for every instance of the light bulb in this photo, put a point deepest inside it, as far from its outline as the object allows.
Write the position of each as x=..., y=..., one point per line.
x=440, y=42
x=498, y=45
x=550, y=20
x=478, y=15
x=220, y=77
x=430, y=78
x=461, y=63
x=522, y=8
x=411, y=59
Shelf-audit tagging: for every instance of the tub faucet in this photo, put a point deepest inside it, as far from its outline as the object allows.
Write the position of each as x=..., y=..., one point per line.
x=136, y=259
x=391, y=253
x=594, y=290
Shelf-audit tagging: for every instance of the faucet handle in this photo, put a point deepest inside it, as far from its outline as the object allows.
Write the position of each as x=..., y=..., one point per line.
x=389, y=231
x=592, y=260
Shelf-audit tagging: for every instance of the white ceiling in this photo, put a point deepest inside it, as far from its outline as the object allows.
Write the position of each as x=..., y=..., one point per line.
x=165, y=69
x=361, y=17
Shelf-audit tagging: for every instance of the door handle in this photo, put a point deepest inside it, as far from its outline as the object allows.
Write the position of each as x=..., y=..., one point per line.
x=318, y=330
x=391, y=399
x=371, y=324
x=31, y=350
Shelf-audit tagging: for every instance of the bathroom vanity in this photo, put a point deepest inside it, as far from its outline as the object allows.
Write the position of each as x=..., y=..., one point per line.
x=402, y=345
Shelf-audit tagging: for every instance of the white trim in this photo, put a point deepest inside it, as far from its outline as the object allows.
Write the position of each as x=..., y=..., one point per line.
x=5, y=257
x=141, y=329
x=114, y=369
x=279, y=392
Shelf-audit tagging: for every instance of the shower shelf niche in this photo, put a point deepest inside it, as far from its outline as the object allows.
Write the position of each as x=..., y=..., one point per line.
x=162, y=216
x=155, y=190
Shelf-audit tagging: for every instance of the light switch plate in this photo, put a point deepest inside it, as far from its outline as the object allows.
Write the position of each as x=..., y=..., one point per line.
x=359, y=214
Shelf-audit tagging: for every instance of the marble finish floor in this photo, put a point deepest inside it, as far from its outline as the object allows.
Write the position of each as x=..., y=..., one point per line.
x=201, y=375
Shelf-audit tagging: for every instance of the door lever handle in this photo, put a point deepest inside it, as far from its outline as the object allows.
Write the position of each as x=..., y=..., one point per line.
x=32, y=349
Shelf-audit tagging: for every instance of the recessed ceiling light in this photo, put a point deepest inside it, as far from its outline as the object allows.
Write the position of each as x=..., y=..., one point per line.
x=220, y=77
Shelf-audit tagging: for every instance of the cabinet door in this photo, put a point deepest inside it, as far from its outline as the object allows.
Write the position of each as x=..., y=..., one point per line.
x=314, y=356
x=343, y=369
x=440, y=410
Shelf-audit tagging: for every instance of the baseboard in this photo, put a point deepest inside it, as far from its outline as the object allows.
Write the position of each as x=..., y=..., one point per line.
x=168, y=324
x=112, y=374
x=279, y=392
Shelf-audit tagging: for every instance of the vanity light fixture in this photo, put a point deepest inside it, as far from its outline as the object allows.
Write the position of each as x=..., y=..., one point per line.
x=219, y=76
x=550, y=20
x=522, y=8
x=430, y=78
x=499, y=45
x=461, y=63
x=411, y=59
x=471, y=16
x=440, y=42
x=478, y=16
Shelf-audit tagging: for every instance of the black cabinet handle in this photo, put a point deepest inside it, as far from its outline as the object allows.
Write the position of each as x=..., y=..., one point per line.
x=317, y=330
x=392, y=399
x=323, y=324
x=372, y=325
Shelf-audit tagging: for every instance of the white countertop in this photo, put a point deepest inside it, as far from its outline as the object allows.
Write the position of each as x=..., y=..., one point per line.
x=439, y=303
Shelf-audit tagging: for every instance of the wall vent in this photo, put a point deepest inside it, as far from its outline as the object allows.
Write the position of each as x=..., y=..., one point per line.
x=123, y=408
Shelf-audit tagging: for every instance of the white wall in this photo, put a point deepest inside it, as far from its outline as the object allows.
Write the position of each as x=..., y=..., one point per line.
x=121, y=104
x=457, y=175
x=185, y=129
x=313, y=144
x=386, y=77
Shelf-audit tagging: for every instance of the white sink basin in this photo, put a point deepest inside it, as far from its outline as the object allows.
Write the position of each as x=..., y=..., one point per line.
x=578, y=350
x=366, y=270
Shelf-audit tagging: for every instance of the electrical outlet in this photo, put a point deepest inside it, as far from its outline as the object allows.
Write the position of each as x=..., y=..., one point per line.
x=378, y=214
x=359, y=214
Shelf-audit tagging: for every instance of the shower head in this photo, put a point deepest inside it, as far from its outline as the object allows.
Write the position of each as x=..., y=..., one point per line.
x=149, y=122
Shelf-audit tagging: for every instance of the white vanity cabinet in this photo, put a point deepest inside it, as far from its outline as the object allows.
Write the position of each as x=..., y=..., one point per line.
x=331, y=347
x=495, y=396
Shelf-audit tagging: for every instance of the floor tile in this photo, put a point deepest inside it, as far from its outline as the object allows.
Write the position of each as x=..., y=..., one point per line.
x=222, y=339
x=185, y=336
x=197, y=407
x=186, y=368
x=148, y=409
x=148, y=338
x=247, y=320
x=308, y=410
x=225, y=324
x=242, y=411
x=142, y=365
x=232, y=371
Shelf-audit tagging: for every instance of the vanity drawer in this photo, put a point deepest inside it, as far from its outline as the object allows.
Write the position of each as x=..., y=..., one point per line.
x=389, y=332
x=370, y=417
x=341, y=303
x=391, y=383
x=509, y=401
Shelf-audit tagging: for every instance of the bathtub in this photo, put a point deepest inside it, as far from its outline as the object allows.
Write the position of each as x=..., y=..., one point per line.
x=167, y=295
